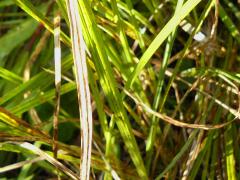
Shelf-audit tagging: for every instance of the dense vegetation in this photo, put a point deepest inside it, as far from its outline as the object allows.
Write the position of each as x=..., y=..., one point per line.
x=164, y=83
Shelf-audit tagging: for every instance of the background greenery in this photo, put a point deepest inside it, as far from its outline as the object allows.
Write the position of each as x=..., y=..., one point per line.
x=165, y=105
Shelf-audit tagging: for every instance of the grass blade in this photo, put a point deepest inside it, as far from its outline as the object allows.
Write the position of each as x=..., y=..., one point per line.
x=162, y=35
x=57, y=63
x=79, y=56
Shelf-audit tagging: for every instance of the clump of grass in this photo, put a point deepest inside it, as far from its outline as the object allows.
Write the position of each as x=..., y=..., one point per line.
x=139, y=89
